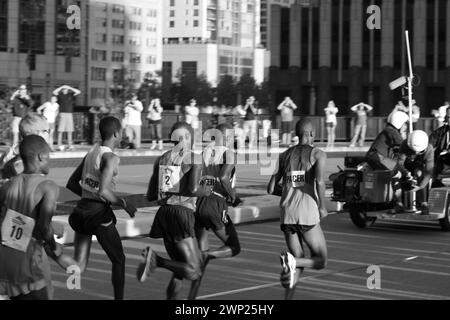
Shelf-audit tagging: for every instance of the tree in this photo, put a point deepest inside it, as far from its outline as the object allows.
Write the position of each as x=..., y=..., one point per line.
x=247, y=87
x=151, y=87
x=263, y=95
x=204, y=92
x=227, y=91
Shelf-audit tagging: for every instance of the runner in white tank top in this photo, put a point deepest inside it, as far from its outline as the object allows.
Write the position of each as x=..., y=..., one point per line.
x=176, y=183
x=301, y=172
x=94, y=180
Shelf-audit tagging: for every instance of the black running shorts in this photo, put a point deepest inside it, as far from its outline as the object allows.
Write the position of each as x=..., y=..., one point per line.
x=209, y=212
x=90, y=214
x=295, y=228
x=173, y=223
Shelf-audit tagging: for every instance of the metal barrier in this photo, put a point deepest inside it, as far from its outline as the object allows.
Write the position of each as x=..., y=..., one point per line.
x=86, y=125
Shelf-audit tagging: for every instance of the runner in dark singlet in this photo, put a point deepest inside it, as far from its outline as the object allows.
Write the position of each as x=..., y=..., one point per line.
x=301, y=172
x=219, y=167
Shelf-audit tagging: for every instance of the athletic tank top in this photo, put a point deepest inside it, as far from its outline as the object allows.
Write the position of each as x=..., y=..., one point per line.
x=214, y=158
x=90, y=179
x=172, y=181
x=299, y=199
x=23, y=259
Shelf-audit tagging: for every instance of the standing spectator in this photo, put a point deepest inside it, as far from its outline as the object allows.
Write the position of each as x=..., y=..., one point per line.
x=191, y=112
x=50, y=111
x=133, y=109
x=415, y=114
x=250, y=121
x=331, y=123
x=287, y=108
x=21, y=104
x=361, y=110
x=441, y=113
x=66, y=99
x=154, y=118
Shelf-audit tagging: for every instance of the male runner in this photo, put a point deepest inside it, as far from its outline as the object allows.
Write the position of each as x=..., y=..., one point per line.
x=219, y=161
x=176, y=182
x=301, y=170
x=95, y=181
x=28, y=204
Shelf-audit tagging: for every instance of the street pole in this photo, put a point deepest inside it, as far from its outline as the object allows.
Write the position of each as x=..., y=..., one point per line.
x=410, y=79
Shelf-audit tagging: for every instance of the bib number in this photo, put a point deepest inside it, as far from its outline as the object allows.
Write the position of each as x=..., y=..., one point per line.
x=169, y=179
x=90, y=183
x=17, y=230
x=207, y=183
x=296, y=179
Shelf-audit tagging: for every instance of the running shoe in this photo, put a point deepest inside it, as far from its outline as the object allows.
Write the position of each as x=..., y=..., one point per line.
x=148, y=265
x=288, y=269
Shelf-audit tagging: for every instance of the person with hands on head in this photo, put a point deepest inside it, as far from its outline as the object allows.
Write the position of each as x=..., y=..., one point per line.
x=176, y=183
x=301, y=171
x=66, y=100
x=361, y=110
x=287, y=108
x=21, y=105
x=219, y=164
x=95, y=182
x=28, y=205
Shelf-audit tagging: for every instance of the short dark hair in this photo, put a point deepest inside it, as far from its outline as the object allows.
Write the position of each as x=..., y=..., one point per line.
x=182, y=125
x=31, y=146
x=301, y=125
x=223, y=127
x=108, y=126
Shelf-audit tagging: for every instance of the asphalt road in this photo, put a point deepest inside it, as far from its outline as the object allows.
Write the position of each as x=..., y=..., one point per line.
x=414, y=258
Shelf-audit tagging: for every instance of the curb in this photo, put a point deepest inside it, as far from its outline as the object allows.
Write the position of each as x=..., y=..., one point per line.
x=252, y=210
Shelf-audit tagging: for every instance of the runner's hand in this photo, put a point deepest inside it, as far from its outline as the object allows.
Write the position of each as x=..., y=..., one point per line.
x=129, y=208
x=323, y=213
x=224, y=217
x=237, y=201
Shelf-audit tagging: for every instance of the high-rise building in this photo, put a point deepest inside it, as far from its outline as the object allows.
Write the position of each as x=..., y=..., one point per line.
x=125, y=45
x=212, y=37
x=38, y=49
x=349, y=51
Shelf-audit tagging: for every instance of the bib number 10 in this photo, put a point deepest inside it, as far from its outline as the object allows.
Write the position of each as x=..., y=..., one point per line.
x=16, y=233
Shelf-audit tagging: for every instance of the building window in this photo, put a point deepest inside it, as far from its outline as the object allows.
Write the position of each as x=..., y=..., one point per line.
x=151, y=42
x=135, y=25
x=67, y=42
x=152, y=13
x=151, y=27
x=172, y=13
x=119, y=24
x=195, y=12
x=136, y=11
x=100, y=37
x=195, y=23
x=32, y=26
x=98, y=55
x=172, y=24
x=98, y=74
x=118, y=75
x=118, y=8
x=195, y=2
x=151, y=60
x=101, y=22
x=118, y=56
x=172, y=3
x=189, y=69
x=135, y=57
x=101, y=6
x=117, y=39
x=134, y=41
x=3, y=25
x=98, y=93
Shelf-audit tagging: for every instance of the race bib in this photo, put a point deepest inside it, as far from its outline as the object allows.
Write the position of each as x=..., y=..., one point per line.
x=296, y=179
x=90, y=183
x=17, y=230
x=208, y=183
x=169, y=178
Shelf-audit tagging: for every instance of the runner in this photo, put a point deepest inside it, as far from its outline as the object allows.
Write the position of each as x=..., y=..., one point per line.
x=95, y=181
x=219, y=162
x=301, y=170
x=176, y=182
x=28, y=204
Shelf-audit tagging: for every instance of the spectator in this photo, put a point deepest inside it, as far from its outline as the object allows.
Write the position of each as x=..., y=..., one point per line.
x=133, y=120
x=287, y=108
x=66, y=99
x=415, y=114
x=361, y=110
x=250, y=121
x=50, y=111
x=21, y=104
x=331, y=123
x=441, y=113
x=191, y=112
x=154, y=118
x=400, y=106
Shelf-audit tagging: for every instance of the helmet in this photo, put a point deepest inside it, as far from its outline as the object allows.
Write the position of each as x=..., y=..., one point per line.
x=418, y=141
x=398, y=119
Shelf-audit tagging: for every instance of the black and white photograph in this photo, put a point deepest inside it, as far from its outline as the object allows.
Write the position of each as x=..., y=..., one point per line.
x=239, y=153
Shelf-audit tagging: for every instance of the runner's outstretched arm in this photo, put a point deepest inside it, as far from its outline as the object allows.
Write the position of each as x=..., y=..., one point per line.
x=74, y=181
x=109, y=163
x=46, y=212
x=320, y=182
x=276, y=178
x=152, y=191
